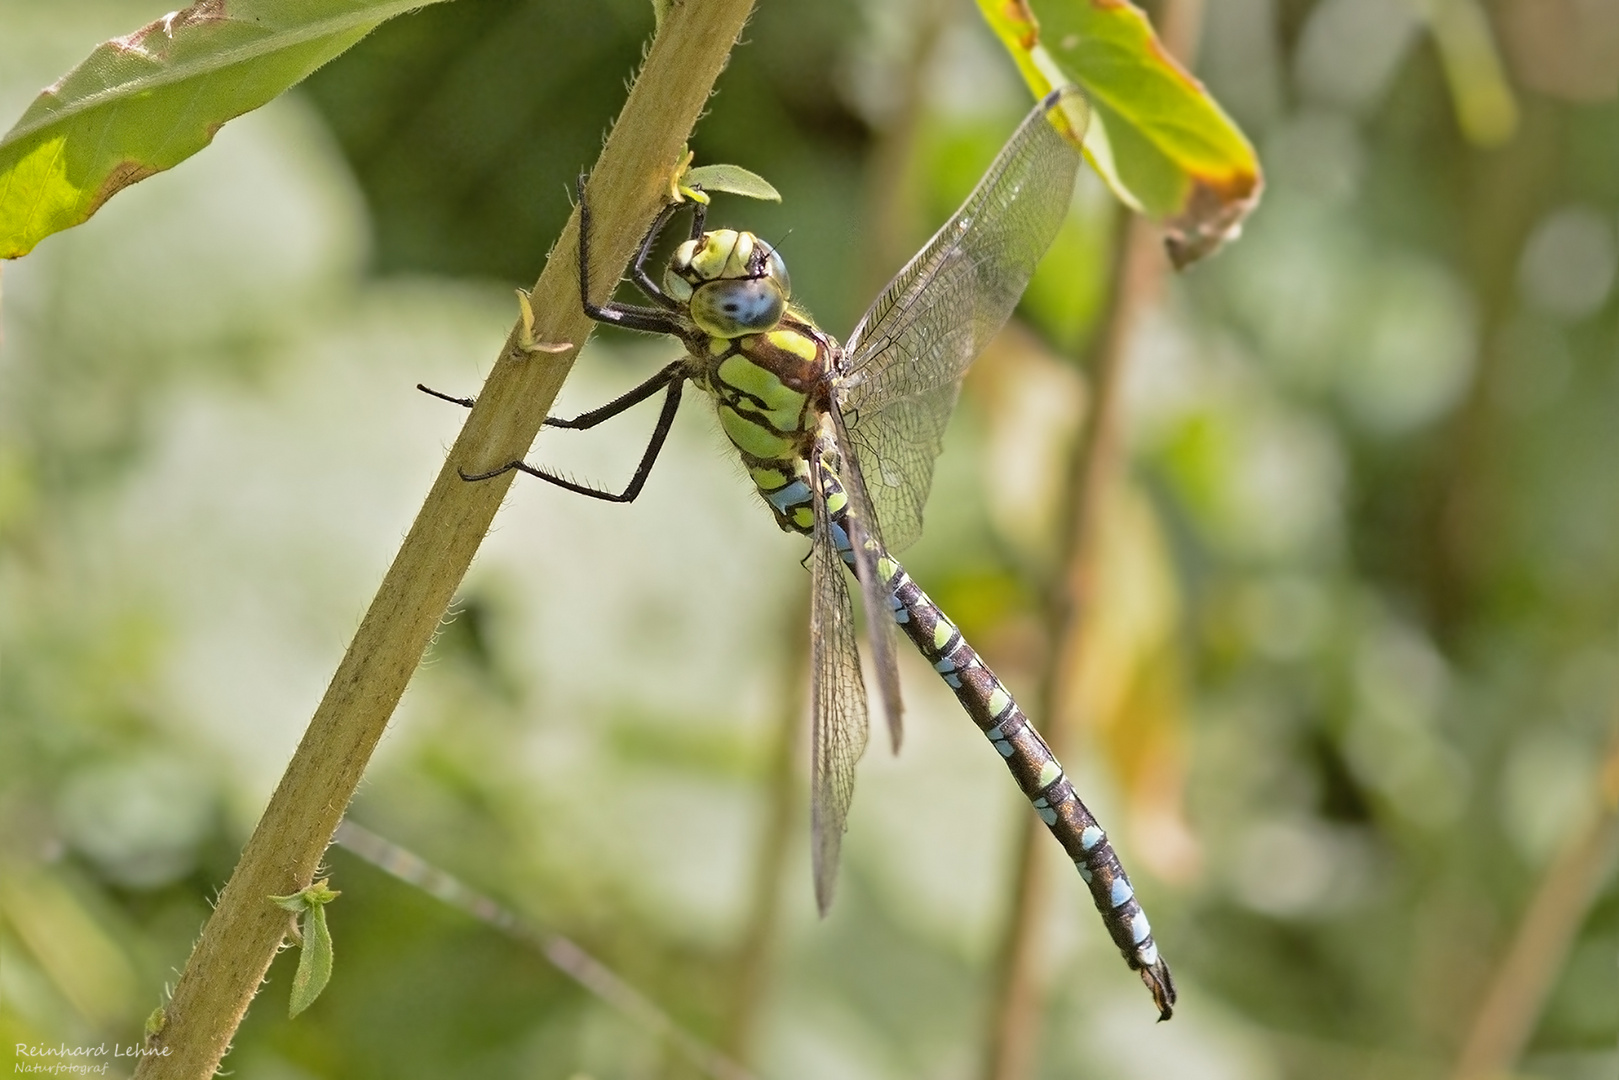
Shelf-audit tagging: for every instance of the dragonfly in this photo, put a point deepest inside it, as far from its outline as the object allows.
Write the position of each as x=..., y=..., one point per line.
x=840, y=441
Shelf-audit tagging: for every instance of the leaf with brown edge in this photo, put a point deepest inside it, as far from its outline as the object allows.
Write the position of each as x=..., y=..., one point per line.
x=144, y=102
x=1158, y=138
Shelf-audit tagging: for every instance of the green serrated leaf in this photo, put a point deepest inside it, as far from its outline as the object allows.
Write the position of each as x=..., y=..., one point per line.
x=731, y=179
x=143, y=103
x=1157, y=136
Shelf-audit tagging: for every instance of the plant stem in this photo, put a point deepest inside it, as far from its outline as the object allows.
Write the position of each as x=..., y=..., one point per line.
x=1140, y=266
x=629, y=183
x=559, y=951
x=891, y=211
x=1517, y=994
x=784, y=795
x=1506, y=193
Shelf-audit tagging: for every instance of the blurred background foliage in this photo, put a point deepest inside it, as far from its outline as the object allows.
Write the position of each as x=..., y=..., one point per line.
x=1354, y=678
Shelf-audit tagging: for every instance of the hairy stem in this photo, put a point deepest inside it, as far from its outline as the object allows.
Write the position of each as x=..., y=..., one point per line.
x=230, y=959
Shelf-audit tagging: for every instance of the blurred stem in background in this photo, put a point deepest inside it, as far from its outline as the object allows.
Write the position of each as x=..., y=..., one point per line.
x=1546, y=933
x=560, y=952
x=1013, y=1040
x=1510, y=192
x=888, y=205
x=773, y=856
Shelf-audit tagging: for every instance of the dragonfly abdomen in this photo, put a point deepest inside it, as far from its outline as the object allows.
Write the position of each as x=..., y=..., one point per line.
x=1038, y=774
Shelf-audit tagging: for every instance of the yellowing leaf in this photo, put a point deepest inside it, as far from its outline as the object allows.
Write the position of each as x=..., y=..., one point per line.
x=1159, y=139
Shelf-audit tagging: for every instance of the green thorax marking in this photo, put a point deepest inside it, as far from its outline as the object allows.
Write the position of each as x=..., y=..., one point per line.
x=767, y=387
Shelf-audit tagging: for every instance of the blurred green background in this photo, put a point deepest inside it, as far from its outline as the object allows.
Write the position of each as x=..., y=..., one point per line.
x=1358, y=641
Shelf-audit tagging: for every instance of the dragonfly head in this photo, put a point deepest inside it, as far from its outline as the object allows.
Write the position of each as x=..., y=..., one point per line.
x=732, y=283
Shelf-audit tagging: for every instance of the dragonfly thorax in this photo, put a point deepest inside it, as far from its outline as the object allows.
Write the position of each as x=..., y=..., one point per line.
x=732, y=283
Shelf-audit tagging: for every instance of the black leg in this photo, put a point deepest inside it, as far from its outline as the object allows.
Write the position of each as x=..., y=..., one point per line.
x=643, y=280
x=629, y=316
x=675, y=372
x=464, y=402
x=595, y=416
x=666, y=418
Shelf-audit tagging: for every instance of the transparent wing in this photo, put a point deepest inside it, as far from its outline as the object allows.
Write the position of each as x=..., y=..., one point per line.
x=837, y=702
x=867, y=544
x=906, y=357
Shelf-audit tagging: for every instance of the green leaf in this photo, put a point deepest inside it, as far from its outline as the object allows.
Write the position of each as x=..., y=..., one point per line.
x=733, y=179
x=314, y=962
x=315, y=943
x=1157, y=137
x=143, y=103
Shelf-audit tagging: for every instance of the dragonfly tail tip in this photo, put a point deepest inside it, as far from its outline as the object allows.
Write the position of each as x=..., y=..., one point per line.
x=1161, y=984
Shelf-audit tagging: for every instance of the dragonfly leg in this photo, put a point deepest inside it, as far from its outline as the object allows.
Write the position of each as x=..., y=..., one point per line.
x=643, y=280
x=464, y=402
x=595, y=416
x=590, y=419
x=630, y=316
x=670, y=377
x=675, y=372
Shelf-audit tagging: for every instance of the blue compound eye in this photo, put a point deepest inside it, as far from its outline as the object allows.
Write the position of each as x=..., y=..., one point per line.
x=776, y=268
x=732, y=308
